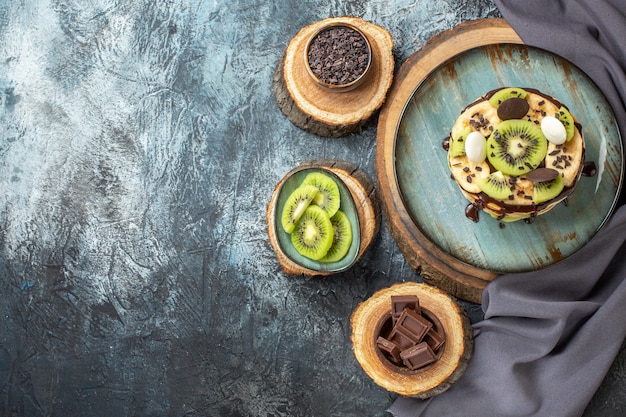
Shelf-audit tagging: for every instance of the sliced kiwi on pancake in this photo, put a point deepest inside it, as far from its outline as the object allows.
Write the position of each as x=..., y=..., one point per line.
x=295, y=206
x=516, y=147
x=457, y=145
x=313, y=235
x=568, y=121
x=506, y=93
x=328, y=197
x=547, y=190
x=342, y=238
x=496, y=186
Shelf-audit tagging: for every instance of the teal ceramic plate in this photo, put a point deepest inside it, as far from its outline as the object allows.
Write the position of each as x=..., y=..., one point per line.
x=347, y=206
x=435, y=202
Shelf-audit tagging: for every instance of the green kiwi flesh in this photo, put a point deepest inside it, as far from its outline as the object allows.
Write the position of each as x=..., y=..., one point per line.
x=328, y=197
x=547, y=190
x=516, y=147
x=568, y=121
x=509, y=92
x=457, y=146
x=295, y=206
x=342, y=238
x=495, y=186
x=313, y=233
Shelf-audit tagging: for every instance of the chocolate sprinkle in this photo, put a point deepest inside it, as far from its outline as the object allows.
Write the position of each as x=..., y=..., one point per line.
x=338, y=55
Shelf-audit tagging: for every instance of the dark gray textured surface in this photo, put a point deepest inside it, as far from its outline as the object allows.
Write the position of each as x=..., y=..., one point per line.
x=140, y=144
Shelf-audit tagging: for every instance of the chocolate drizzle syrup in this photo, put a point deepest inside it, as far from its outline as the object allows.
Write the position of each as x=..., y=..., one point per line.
x=589, y=169
x=472, y=209
x=531, y=219
x=445, y=143
x=471, y=212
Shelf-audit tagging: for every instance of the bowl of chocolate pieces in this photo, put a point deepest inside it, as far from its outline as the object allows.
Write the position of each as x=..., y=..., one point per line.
x=412, y=339
x=338, y=57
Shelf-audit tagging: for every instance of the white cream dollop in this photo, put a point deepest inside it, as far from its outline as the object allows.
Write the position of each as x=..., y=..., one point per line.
x=553, y=130
x=476, y=147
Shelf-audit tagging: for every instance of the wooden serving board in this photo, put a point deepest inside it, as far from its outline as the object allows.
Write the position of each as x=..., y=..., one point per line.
x=424, y=208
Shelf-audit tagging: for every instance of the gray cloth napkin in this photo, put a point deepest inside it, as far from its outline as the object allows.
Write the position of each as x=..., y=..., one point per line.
x=549, y=337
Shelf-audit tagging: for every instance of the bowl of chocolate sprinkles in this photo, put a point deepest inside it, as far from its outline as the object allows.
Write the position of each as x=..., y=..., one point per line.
x=338, y=57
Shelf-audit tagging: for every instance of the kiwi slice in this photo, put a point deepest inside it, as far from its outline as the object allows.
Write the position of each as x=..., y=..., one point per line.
x=328, y=197
x=506, y=93
x=516, y=147
x=296, y=204
x=457, y=146
x=313, y=234
x=495, y=185
x=342, y=237
x=568, y=121
x=547, y=190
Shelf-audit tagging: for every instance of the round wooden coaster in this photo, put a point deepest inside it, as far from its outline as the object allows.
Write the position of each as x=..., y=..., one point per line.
x=327, y=113
x=432, y=379
x=365, y=203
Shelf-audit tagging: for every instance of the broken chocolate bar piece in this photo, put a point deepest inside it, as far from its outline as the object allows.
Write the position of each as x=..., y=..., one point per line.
x=402, y=337
x=391, y=348
x=413, y=325
x=401, y=302
x=434, y=339
x=412, y=336
x=418, y=356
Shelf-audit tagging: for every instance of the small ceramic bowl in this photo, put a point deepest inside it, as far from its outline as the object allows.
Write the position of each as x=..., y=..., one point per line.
x=358, y=201
x=334, y=86
x=384, y=326
x=347, y=206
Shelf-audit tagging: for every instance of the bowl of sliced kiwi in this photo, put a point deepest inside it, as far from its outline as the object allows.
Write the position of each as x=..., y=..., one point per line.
x=319, y=224
x=315, y=225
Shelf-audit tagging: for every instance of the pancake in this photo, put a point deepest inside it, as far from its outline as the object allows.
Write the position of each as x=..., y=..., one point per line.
x=515, y=154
